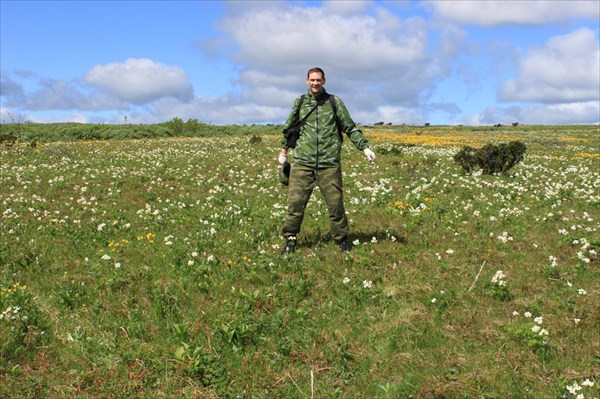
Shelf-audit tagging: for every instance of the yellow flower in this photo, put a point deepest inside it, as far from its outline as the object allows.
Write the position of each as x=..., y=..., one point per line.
x=150, y=237
x=401, y=205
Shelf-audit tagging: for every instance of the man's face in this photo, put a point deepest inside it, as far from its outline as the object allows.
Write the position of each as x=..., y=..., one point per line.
x=315, y=81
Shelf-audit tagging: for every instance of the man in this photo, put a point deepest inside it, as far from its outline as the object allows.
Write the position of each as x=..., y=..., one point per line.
x=317, y=158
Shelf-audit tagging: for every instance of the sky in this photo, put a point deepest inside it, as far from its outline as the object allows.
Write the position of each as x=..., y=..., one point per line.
x=447, y=62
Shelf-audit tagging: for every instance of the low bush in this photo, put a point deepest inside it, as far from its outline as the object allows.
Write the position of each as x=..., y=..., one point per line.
x=491, y=158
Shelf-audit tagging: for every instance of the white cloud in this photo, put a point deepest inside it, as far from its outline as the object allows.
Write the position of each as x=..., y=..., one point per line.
x=370, y=59
x=76, y=117
x=559, y=114
x=346, y=7
x=56, y=94
x=140, y=80
x=587, y=112
x=564, y=69
x=8, y=116
x=502, y=12
x=285, y=37
x=223, y=110
x=390, y=114
x=385, y=67
x=9, y=88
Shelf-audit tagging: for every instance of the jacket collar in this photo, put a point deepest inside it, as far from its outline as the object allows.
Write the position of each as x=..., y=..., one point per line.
x=321, y=98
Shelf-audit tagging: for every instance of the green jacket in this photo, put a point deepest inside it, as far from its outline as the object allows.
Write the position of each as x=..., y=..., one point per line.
x=319, y=145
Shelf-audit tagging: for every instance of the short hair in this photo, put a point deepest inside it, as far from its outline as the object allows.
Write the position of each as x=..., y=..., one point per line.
x=316, y=69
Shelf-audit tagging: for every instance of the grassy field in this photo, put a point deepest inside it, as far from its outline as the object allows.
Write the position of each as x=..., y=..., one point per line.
x=151, y=268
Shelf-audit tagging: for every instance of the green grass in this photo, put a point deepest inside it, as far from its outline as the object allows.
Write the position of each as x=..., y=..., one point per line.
x=151, y=269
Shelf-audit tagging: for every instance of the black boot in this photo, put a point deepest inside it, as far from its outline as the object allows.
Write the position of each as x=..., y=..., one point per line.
x=344, y=244
x=290, y=245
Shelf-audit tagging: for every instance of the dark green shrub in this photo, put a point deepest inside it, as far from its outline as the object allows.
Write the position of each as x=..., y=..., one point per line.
x=466, y=158
x=491, y=158
x=255, y=139
x=176, y=126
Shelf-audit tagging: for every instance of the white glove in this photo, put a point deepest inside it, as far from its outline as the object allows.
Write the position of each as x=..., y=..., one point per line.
x=282, y=158
x=370, y=154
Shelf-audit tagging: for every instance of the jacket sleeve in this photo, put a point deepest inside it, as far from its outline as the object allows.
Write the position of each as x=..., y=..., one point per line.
x=347, y=125
x=292, y=119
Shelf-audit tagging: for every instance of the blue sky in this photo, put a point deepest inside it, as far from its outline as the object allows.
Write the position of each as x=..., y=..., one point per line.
x=244, y=62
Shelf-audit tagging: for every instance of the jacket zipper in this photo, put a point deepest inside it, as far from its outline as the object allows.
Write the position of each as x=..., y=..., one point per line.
x=317, y=131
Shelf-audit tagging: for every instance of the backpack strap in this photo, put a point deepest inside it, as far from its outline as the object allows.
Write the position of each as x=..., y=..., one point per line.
x=300, y=105
x=334, y=107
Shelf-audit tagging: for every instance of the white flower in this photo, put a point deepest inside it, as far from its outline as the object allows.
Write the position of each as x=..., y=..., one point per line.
x=190, y=263
x=499, y=278
x=434, y=300
x=356, y=242
x=346, y=280
x=576, y=320
x=536, y=329
x=543, y=331
x=515, y=313
x=450, y=251
x=581, y=291
x=539, y=319
x=194, y=254
x=573, y=388
x=587, y=383
x=374, y=240
x=504, y=237
x=367, y=283
x=117, y=265
x=105, y=257
x=527, y=314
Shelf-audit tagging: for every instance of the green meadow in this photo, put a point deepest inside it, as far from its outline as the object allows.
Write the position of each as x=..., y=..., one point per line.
x=143, y=262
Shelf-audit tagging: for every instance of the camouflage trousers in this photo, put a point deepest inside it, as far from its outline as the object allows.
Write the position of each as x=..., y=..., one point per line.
x=302, y=181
